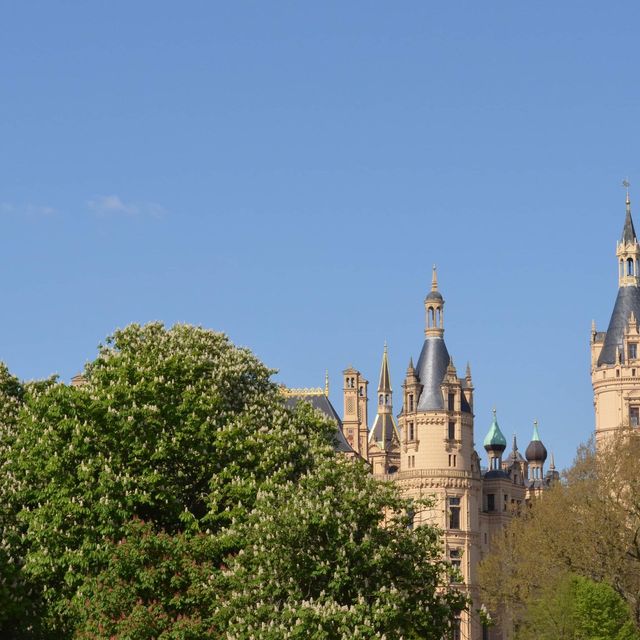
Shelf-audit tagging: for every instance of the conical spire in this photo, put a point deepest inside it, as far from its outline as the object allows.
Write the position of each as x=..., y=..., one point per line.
x=467, y=374
x=628, y=232
x=384, y=385
x=552, y=466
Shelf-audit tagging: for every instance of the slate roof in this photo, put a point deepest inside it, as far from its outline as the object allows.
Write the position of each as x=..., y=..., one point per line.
x=384, y=431
x=384, y=384
x=628, y=300
x=628, y=232
x=432, y=367
x=323, y=404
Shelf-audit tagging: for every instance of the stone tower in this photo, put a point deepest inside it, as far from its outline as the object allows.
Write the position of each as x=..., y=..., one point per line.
x=437, y=456
x=384, y=439
x=615, y=367
x=354, y=423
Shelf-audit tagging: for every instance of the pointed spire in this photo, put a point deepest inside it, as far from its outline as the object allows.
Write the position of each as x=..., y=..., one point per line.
x=628, y=232
x=467, y=374
x=536, y=435
x=384, y=385
x=434, y=279
x=514, y=446
x=552, y=466
x=326, y=382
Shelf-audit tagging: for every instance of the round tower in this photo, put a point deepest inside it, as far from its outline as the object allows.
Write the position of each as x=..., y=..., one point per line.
x=615, y=363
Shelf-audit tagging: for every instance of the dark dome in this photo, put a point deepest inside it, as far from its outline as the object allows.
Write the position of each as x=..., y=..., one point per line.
x=434, y=295
x=496, y=473
x=536, y=451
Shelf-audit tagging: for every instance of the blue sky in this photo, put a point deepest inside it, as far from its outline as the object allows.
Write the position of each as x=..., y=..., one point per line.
x=289, y=172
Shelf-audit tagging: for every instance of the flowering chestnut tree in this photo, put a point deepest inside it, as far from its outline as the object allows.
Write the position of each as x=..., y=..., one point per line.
x=173, y=490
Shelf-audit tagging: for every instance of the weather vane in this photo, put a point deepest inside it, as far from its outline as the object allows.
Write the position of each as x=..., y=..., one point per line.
x=625, y=183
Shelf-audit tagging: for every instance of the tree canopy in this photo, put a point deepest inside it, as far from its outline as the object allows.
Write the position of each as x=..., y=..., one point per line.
x=586, y=527
x=173, y=495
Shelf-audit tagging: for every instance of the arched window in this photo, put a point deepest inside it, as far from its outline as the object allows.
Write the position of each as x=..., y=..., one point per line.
x=361, y=391
x=431, y=317
x=380, y=399
x=629, y=266
x=386, y=398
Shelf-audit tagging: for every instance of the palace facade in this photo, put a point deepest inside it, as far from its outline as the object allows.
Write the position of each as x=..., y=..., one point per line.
x=428, y=449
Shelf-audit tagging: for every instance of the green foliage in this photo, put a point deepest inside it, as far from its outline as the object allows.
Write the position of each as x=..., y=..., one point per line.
x=173, y=492
x=576, y=608
x=585, y=526
x=319, y=562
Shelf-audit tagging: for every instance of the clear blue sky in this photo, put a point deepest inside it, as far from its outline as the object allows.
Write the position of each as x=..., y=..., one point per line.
x=288, y=173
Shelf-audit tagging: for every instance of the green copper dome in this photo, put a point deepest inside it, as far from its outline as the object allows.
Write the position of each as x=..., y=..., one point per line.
x=495, y=440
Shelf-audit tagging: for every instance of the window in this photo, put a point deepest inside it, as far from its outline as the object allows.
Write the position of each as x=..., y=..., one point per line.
x=634, y=416
x=455, y=630
x=629, y=267
x=361, y=391
x=452, y=431
x=633, y=372
x=412, y=434
x=632, y=351
x=452, y=401
x=455, y=556
x=454, y=512
x=505, y=502
x=411, y=402
x=491, y=502
x=380, y=397
x=617, y=373
x=452, y=460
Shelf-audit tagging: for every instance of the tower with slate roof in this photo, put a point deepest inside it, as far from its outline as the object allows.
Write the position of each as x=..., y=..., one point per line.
x=615, y=363
x=437, y=455
x=384, y=439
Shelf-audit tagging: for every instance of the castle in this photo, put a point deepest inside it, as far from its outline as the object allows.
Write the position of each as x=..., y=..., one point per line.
x=428, y=448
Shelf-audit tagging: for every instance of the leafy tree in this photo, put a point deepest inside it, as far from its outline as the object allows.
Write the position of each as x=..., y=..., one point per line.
x=576, y=608
x=319, y=562
x=589, y=525
x=154, y=500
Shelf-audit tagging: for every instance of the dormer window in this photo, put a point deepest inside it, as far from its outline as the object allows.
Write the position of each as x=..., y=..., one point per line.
x=634, y=416
x=632, y=351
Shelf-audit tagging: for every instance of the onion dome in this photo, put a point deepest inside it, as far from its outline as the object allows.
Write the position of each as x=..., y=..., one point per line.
x=495, y=440
x=536, y=451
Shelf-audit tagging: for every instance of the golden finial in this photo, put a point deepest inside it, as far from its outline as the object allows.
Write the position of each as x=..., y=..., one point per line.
x=326, y=382
x=434, y=279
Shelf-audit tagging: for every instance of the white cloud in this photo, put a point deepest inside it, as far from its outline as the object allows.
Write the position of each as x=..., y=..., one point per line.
x=113, y=205
x=29, y=210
